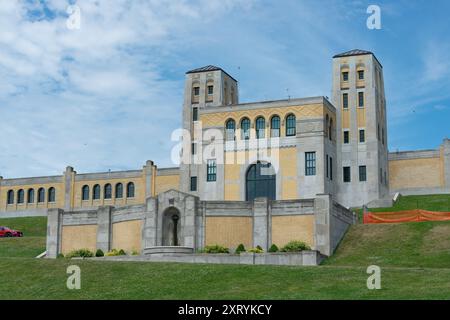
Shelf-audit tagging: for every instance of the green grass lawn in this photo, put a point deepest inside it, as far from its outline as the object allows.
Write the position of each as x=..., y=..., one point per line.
x=414, y=260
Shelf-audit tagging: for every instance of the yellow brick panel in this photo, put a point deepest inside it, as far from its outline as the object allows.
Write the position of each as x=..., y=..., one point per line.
x=288, y=228
x=164, y=183
x=229, y=231
x=79, y=237
x=415, y=173
x=127, y=235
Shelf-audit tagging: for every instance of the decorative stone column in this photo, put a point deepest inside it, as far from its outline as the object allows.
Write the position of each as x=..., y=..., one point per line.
x=149, y=226
x=54, y=226
x=322, y=223
x=104, y=228
x=148, y=175
x=69, y=177
x=261, y=219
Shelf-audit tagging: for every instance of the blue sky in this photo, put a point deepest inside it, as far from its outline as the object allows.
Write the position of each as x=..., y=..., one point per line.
x=109, y=95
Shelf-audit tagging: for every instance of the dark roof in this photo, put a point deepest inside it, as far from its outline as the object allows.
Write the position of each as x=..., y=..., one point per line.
x=356, y=52
x=208, y=69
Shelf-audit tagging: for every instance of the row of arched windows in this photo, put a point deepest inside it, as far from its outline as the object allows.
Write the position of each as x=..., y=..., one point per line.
x=260, y=127
x=107, y=191
x=30, y=196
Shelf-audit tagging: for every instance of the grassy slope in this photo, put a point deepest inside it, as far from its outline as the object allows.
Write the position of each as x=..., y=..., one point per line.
x=415, y=261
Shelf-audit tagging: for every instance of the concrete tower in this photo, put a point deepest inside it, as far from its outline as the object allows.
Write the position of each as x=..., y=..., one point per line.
x=362, y=154
x=205, y=87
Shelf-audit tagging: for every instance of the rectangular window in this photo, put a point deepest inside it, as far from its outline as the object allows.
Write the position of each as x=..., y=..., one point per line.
x=194, y=148
x=327, y=167
x=381, y=176
x=347, y=174
x=345, y=100
x=345, y=76
x=346, y=136
x=331, y=168
x=210, y=90
x=362, y=135
x=211, y=170
x=310, y=163
x=362, y=173
x=196, y=91
x=360, y=99
x=361, y=75
x=382, y=136
x=193, y=183
x=195, y=114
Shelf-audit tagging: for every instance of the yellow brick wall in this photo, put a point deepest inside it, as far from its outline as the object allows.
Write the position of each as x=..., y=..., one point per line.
x=288, y=228
x=127, y=235
x=415, y=173
x=59, y=203
x=79, y=237
x=288, y=166
x=229, y=231
x=164, y=183
x=361, y=115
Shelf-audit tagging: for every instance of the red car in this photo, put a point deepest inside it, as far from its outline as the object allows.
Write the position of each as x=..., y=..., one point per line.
x=7, y=232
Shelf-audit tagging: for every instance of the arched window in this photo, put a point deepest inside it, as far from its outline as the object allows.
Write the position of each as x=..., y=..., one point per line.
x=30, y=196
x=10, y=197
x=130, y=190
x=108, y=191
x=96, y=192
x=119, y=191
x=51, y=194
x=290, y=125
x=85, y=193
x=41, y=195
x=230, y=128
x=260, y=128
x=20, y=196
x=275, y=126
x=245, y=129
x=260, y=182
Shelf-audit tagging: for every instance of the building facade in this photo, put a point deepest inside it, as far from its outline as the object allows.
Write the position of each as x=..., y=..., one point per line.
x=290, y=152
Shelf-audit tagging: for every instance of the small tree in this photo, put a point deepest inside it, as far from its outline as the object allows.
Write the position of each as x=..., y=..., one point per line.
x=273, y=248
x=240, y=248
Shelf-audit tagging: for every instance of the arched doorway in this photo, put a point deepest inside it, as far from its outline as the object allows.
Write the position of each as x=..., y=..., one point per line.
x=171, y=227
x=260, y=182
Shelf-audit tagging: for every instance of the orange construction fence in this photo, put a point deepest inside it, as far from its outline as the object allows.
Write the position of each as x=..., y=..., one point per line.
x=416, y=215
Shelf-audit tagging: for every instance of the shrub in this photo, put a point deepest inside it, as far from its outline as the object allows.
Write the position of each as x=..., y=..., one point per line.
x=99, y=253
x=295, y=246
x=259, y=247
x=60, y=256
x=135, y=253
x=240, y=248
x=256, y=250
x=115, y=252
x=82, y=253
x=216, y=249
x=273, y=248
